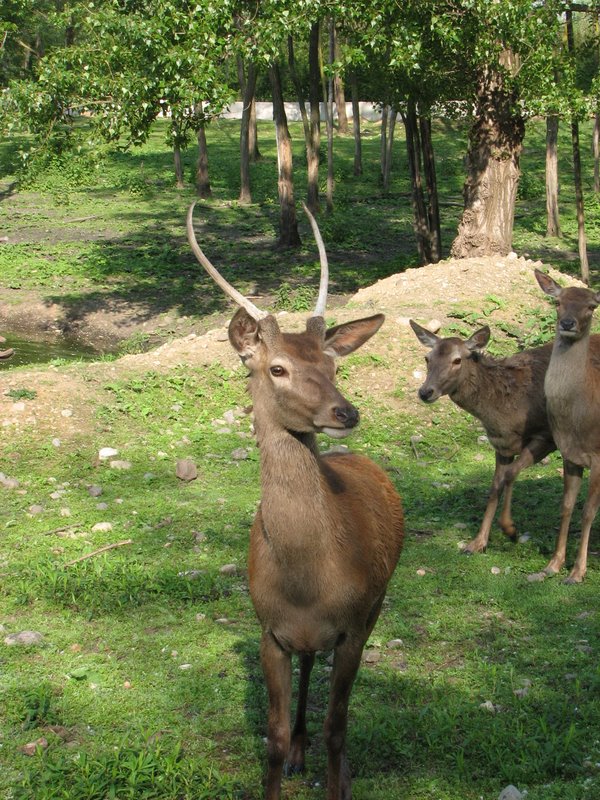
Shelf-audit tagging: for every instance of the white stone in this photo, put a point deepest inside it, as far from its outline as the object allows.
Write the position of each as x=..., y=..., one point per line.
x=107, y=452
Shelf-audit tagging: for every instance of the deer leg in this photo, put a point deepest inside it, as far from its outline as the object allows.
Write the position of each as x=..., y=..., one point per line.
x=277, y=669
x=572, y=474
x=531, y=454
x=590, y=510
x=345, y=666
x=479, y=543
x=295, y=760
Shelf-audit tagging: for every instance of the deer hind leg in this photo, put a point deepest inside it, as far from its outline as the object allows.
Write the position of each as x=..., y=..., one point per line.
x=345, y=666
x=572, y=474
x=295, y=760
x=590, y=510
x=531, y=454
x=277, y=670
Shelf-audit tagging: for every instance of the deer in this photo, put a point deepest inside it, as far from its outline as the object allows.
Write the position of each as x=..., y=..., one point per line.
x=572, y=387
x=329, y=528
x=507, y=396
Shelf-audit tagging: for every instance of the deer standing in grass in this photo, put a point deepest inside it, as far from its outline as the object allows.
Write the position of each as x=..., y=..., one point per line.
x=507, y=397
x=572, y=388
x=329, y=529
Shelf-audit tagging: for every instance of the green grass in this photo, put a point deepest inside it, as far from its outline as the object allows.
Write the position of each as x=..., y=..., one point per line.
x=148, y=683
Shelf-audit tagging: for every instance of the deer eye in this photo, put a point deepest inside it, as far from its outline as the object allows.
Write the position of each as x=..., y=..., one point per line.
x=456, y=361
x=277, y=371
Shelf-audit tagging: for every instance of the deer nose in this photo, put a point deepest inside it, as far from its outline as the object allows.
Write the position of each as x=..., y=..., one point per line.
x=425, y=394
x=347, y=415
x=567, y=324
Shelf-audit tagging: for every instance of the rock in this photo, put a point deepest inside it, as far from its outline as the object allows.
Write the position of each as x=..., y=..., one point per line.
x=25, y=638
x=66, y=412
x=36, y=509
x=495, y=570
x=94, y=491
x=240, y=454
x=433, y=325
x=120, y=464
x=488, y=706
x=56, y=442
x=394, y=644
x=229, y=417
x=101, y=506
x=102, y=527
x=31, y=748
x=421, y=572
x=228, y=569
x=107, y=452
x=371, y=657
x=185, y=666
x=510, y=793
x=8, y=483
x=186, y=469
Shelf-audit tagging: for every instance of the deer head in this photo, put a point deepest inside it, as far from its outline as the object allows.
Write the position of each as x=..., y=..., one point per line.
x=575, y=307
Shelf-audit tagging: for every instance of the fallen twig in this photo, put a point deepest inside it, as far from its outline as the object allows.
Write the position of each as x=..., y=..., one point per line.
x=96, y=552
x=64, y=529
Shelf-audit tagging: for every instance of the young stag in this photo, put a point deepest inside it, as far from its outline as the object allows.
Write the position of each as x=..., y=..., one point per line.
x=329, y=528
x=572, y=388
x=507, y=397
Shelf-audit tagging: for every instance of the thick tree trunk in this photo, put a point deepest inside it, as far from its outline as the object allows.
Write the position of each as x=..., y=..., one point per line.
x=253, y=151
x=330, y=118
x=178, y=167
x=202, y=180
x=490, y=188
x=435, y=228
x=552, y=215
x=356, y=126
x=581, y=237
x=245, y=193
x=288, y=226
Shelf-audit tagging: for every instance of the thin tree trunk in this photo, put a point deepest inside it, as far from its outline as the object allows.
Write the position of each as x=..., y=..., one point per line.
x=245, y=192
x=389, y=146
x=253, y=151
x=330, y=117
x=581, y=237
x=202, y=179
x=288, y=227
x=178, y=167
x=383, y=142
x=338, y=87
x=421, y=220
x=356, y=126
x=311, y=126
x=596, y=152
x=552, y=214
x=490, y=189
x=435, y=228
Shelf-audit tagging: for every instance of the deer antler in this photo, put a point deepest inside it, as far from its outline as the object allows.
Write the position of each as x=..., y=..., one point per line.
x=236, y=296
x=323, y=286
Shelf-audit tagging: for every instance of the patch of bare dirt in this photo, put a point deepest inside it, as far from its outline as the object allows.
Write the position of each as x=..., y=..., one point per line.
x=67, y=396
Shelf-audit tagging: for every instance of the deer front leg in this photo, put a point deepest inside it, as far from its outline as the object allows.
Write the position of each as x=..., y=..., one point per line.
x=295, y=760
x=346, y=662
x=479, y=543
x=572, y=474
x=590, y=510
x=277, y=670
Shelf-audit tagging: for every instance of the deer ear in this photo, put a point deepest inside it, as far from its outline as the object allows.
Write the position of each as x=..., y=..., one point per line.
x=243, y=334
x=426, y=337
x=479, y=339
x=349, y=336
x=547, y=284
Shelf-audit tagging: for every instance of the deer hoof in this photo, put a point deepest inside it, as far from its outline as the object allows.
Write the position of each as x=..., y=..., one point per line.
x=571, y=580
x=292, y=769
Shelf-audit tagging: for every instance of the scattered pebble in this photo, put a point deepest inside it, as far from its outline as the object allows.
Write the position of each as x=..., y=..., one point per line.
x=94, y=491
x=510, y=793
x=495, y=570
x=102, y=527
x=107, y=452
x=229, y=569
x=24, y=638
x=119, y=464
x=240, y=454
x=101, y=506
x=524, y=537
x=36, y=509
x=394, y=644
x=56, y=442
x=186, y=469
x=127, y=685
x=421, y=572
x=185, y=666
x=31, y=748
x=8, y=483
x=371, y=656
x=66, y=412
x=488, y=706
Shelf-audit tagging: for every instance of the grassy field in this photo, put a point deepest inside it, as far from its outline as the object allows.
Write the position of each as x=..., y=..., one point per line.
x=147, y=682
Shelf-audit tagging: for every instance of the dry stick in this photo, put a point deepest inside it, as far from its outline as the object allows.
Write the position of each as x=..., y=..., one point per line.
x=96, y=552
x=63, y=529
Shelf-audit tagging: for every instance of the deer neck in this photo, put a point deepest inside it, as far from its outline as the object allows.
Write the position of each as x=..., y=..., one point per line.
x=474, y=392
x=566, y=375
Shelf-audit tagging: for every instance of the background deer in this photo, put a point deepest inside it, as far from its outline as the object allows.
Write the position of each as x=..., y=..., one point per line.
x=329, y=529
x=572, y=388
x=507, y=397
x=5, y=353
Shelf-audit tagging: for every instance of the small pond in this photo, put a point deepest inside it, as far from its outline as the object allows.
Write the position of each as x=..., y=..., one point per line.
x=28, y=351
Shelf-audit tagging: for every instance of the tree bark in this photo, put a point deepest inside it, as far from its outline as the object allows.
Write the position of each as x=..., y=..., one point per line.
x=581, y=237
x=330, y=181
x=435, y=228
x=389, y=146
x=245, y=192
x=490, y=189
x=383, y=141
x=312, y=132
x=253, y=151
x=202, y=179
x=356, y=126
x=596, y=152
x=340, y=96
x=420, y=217
x=178, y=167
x=552, y=214
x=288, y=225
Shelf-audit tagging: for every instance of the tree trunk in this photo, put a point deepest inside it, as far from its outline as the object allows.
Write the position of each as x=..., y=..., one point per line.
x=356, y=126
x=389, y=145
x=490, y=189
x=178, y=167
x=581, y=237
x=245, y=193
x=338, y=88
x=311, y=127
x=253, y=151
x=330, y=118
x=420, y=217
x=596, y=152
x=288, y=226
x=435, y=228
x=552, y=215
x=202, y=180
x=383, y=142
